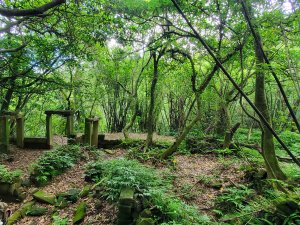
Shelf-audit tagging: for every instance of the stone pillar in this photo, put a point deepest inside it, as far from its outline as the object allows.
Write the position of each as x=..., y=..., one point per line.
x=69, y=126
x=20, y=130
x=88, y=131
x=49, y=132
x=95, y=133
x=4, y=134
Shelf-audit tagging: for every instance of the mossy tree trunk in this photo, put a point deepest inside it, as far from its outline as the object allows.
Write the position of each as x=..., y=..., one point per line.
x=272, y=166
x=269, y=155
x=151, y=117
x=224, y=122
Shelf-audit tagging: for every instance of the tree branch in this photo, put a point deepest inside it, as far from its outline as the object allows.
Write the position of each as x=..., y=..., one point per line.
x=31, y=12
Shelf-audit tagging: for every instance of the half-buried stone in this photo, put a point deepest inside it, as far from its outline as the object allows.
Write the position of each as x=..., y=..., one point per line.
x=44, y=197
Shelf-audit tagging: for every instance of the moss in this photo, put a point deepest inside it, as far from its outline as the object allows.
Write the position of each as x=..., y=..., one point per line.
x=85, y=191
x=44, y=197
x=80, y=213
x=20, y=213
x=126, y=196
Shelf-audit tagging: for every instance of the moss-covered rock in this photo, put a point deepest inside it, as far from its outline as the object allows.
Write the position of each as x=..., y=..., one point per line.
x=80, y=213
x=126, y=196
x=44, y=197
x=11, y=191
x=20, y=213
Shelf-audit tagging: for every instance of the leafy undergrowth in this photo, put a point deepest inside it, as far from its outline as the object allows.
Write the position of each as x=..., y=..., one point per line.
x=53, y=163
x=9, y=176
x=291, y=140
x=156, y=191
x=243, y=205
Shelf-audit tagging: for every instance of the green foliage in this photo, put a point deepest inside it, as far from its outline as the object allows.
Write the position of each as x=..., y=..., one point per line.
x=53, y=163
x=292, y=140
x=118, y=173
x=57, y=220
x=132, y=143
x=248, y=136
x=241, y=205
x=234, y=198
x=174, y=210
x=9, y=176
x=142, y=156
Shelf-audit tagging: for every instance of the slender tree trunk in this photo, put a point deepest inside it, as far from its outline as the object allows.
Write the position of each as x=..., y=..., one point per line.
x=132, y=120
x=150, y=122
x=184, y=133
x=272, y=166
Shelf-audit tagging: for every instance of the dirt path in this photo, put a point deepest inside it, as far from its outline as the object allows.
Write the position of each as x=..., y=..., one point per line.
x=198, y=177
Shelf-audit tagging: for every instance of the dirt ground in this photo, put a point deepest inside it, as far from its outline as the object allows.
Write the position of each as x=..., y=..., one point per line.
x=195, y=180
x=200, y=178
x=141, y=136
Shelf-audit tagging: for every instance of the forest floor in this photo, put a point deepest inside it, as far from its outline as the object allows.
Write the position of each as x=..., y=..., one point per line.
x=198, y=180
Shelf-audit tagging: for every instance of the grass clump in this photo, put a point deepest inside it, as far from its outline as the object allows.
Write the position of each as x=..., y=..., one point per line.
x=53, y=163
x=155, y=190
x=7, y=176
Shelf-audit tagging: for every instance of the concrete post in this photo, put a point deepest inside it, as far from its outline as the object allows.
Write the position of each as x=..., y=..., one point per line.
x=69, y=126
x=88, y=132
x=4, y=134
x=95, y=133
x=20, y=130
x=49, y=132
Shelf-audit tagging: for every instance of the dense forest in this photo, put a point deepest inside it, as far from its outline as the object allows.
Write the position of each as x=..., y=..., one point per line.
x=149, y=112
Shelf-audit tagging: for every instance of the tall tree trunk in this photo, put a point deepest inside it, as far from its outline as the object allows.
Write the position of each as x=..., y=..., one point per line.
x=150, y=122
x=272, y=166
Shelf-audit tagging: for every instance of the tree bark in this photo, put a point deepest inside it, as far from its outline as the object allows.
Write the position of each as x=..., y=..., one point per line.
x=272, y=166
x=150, y=121
x=132, y=120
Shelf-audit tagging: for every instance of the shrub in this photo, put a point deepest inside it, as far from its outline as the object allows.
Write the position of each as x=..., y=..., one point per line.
x=53, y=163
x=9, y=176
